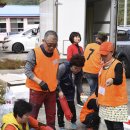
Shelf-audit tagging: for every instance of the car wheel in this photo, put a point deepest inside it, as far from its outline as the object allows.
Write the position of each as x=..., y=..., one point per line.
x=126, y=66
x=18, y=48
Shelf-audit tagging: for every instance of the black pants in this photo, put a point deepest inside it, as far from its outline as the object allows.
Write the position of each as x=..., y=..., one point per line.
x=78, y=97
x=92, y=121
x=111, y=125
x=78, y=79
x=60, y=113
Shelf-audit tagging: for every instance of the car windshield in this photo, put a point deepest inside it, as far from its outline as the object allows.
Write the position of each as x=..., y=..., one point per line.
x=27, y=32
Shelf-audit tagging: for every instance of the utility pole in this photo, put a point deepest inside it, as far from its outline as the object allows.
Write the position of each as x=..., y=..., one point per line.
x=125, y=13
x=113, y=22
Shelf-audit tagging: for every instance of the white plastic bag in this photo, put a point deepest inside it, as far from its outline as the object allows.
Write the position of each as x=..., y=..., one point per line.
x=9, y=99
x=9, y=103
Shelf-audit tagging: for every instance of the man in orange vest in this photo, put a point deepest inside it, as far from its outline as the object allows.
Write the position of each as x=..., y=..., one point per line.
x=112, y=91
x=41, y=71
x=93, y=61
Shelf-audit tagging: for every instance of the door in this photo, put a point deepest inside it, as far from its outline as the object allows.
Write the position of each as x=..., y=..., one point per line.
x=71, y=17
x=63, y=16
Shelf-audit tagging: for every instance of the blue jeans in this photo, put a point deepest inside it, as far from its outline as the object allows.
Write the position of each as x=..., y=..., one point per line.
x=92, y=81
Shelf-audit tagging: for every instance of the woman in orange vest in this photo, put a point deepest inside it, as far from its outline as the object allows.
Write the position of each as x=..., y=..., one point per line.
x=89, y=113
x=93, y=61
x=112, y=91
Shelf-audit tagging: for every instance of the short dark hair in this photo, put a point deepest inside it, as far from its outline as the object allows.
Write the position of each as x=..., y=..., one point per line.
x=77, y=60
x=72, y=35
x=102, y=36
x=51, y=32
x=21, y=107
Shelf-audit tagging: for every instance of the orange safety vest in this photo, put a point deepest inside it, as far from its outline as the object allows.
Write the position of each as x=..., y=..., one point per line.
x=45, y=69
x=9, y=122
x=114, y=95
x=85, y=111
x=92, y=58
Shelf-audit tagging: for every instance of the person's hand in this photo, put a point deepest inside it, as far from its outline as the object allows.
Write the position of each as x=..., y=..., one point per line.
x=109, y=82
x=44, y=86
x=61, y=94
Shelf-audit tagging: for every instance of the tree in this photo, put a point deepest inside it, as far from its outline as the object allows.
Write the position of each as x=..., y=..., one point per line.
x=22, y=2
x=121, y=12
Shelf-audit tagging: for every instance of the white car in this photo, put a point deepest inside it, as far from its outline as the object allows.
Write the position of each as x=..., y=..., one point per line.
x=23, y=41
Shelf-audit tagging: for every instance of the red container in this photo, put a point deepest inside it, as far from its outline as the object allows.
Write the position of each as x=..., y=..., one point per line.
x=65, y=108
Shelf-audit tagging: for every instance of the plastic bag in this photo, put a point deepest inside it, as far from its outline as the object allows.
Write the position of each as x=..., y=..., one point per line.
x=2, y=91
x=9, y=103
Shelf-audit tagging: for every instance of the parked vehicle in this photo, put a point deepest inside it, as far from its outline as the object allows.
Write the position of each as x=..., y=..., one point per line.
x=23, y=41
x=123, y=47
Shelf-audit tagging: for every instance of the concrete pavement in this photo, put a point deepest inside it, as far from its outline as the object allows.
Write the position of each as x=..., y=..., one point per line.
x=42, y=118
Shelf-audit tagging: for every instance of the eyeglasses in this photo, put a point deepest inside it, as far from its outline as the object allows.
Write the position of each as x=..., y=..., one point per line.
x=51, y=45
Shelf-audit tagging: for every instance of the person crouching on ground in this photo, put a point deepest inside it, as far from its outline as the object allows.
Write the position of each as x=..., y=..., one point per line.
x=20, y=119
x=68, y=74
x=89, y=113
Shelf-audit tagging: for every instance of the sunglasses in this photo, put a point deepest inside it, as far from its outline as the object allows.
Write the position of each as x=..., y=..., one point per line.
x=51, y=45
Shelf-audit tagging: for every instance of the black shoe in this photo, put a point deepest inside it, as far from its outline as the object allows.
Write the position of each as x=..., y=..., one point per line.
x=80, y=104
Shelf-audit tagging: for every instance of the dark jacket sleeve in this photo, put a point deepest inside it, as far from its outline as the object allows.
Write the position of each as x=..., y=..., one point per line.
x=61, y=71
x=118, y=74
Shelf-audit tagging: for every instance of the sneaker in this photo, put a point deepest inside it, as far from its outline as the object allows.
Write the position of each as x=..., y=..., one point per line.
x=73, y=126
x=62, y=128
x=80, y=104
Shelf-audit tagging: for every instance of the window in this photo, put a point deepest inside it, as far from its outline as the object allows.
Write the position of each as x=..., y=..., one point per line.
x=123, y=35
x=2, y=25
x=33, y=20
x=16, y=24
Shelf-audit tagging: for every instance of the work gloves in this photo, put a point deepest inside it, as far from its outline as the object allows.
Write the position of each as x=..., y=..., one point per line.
x=44, y=86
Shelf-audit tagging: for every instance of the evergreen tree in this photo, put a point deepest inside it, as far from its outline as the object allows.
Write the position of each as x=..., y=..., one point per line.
x=22, y=2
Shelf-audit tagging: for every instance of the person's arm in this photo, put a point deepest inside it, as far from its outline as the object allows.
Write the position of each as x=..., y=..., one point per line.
x=29, y=67
x=69, y=53
x=118, y=74
x=10, y=127
x=33, y=123
x=61, y=71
